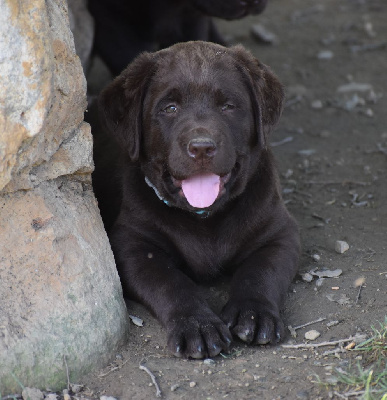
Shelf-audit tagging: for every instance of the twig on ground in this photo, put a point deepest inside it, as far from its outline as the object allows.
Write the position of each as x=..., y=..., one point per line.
x=314, y=345
x=340, y=395
x=334, y=351
x=113, y=369
x=354, y=393
x=153, y=378
x=337, y=183
x=309, y=323
x=281, y=142
x=358, y=294
x=67, y=372
x=368, y=47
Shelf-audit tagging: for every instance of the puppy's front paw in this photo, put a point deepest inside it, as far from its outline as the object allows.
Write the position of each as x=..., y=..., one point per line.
x=198, y=336
x=253, y=322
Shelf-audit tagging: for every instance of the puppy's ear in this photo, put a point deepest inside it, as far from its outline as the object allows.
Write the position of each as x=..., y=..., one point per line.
x=120, y=103
x=266, y=92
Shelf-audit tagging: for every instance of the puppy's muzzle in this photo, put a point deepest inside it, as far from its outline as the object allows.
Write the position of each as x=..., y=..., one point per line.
x=202, y=148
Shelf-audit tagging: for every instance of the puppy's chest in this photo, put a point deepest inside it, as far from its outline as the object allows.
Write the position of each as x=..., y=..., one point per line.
x=204, y=253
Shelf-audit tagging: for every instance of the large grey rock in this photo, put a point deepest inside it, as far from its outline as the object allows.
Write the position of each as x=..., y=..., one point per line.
x=59, y=289
x=42, y=87
x=60, y=295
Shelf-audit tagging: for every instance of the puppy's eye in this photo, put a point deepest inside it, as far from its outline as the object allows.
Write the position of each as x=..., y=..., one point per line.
x=227, y=107
x=170, y=109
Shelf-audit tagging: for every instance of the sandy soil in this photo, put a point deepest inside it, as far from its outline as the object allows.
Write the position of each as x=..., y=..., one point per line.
x=331, y=148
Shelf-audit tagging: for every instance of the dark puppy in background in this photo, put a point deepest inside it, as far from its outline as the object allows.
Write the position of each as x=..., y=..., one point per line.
x=199, y=193
x=125, y=28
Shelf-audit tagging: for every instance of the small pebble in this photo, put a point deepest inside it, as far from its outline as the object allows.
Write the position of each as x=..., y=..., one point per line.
x=260, y=33
x=332, y=323
x=307, y=152
x=208, y=361
x=312, y=335
x=325, y=55
x=327, y=273
x=307, y=277
x=316, y=257
x=359, y=281
x=136, y=320
x=174, y=387
x=192, y=384
x=32, y=394
x=51, y=396
x=107, y=398
x=319, y=282
x=341, y=246
x=317, y=104
x=77, y=388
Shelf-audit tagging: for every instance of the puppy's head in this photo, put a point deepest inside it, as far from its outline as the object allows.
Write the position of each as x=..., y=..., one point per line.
x=195, y=117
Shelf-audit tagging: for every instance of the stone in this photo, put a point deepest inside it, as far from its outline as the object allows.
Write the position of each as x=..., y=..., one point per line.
x=317, y=104
x=61, y=299
x=61, y=295
x=341, y=246
x=307, y=277
x=51, y=396
x=39, y=56
x=319, y=282
x=327, y=273
x=312, y=335
x=262, y=34
x=325, y=55
x=32, y=394
x=175, y=387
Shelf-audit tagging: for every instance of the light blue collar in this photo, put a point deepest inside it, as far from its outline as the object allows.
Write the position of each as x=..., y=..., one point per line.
x=201, y=213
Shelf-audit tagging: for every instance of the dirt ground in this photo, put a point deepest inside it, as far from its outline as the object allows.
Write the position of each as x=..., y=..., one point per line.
x=331, y=147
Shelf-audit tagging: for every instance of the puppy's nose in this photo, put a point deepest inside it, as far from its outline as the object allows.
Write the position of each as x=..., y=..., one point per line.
x=201, y=148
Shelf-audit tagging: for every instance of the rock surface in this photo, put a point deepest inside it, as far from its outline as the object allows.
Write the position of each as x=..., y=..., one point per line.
x=61, y=299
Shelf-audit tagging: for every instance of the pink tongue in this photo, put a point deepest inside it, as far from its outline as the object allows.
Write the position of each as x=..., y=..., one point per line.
x=201, y=190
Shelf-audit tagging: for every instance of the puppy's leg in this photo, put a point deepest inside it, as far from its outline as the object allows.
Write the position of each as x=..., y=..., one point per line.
x=150, y=275
x=258, y=287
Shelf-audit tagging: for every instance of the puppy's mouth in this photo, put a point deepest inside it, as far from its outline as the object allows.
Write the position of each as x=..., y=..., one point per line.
x=201, y=190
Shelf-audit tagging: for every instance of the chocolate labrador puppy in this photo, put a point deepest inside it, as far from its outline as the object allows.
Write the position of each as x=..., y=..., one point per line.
x=124, y=28
x=200, y=194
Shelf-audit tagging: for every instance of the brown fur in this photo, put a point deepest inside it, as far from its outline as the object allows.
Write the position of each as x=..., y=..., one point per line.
x=125, y=28
x=231, y=99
